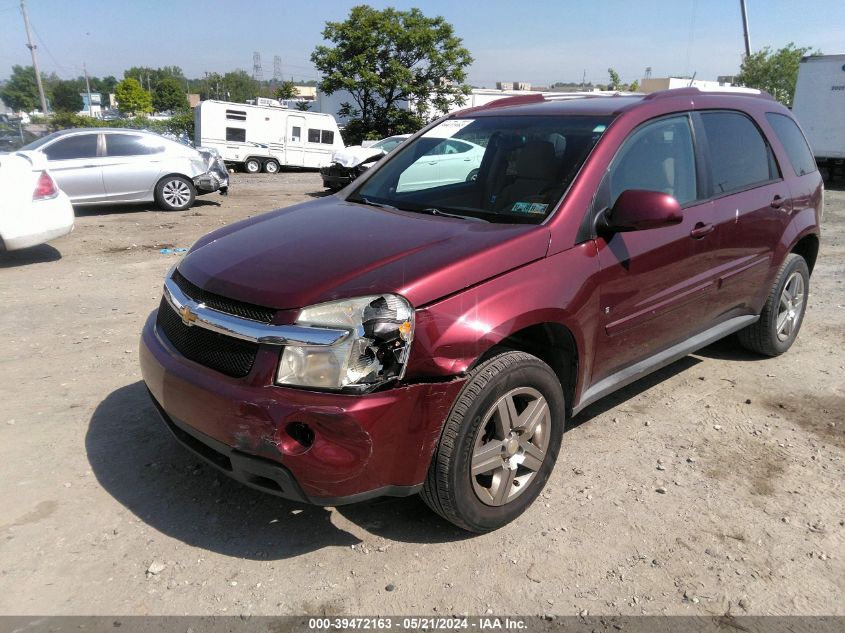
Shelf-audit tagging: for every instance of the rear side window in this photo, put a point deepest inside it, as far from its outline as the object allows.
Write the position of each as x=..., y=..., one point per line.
x=130, y=145
x=657, y=157
x=313, y=136
x=793, y=142
x=80, y=146
x=236, y=134
x=739, y=155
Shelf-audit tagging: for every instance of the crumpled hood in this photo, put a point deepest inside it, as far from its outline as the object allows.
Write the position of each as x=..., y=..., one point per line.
x=355, y=155
x=332, y=249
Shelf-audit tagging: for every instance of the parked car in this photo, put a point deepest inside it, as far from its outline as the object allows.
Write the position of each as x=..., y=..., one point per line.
x=98, y=165
x=33, y=210
x=350, y=162
x=395, y=340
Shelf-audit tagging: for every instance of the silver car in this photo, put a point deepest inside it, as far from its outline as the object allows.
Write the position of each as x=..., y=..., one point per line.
x=101, y=165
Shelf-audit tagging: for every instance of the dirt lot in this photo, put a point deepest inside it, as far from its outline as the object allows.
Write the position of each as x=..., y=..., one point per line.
x=93, y=490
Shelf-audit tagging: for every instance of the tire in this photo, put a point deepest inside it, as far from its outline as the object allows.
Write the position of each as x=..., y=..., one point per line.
x=271, y=166
x=783, y=313
x=252, y=165
x=472, y=176
x=175, y=193
x=494, y=497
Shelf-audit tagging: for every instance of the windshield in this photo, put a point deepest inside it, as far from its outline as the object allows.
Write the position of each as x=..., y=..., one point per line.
x=388, y=144
x=496, y=168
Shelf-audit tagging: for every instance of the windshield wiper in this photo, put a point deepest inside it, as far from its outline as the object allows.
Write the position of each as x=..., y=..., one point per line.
x=370, y=203
x=436, y=211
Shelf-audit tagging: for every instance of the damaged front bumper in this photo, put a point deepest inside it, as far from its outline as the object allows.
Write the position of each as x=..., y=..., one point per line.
x=358, y=446
x=217, y=176
x=336, y=176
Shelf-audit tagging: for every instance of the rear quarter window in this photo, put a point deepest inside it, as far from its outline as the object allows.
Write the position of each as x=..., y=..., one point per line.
x=740, y=158
x=793, y=141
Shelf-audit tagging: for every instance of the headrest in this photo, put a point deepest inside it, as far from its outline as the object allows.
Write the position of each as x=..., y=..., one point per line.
x=536, y=161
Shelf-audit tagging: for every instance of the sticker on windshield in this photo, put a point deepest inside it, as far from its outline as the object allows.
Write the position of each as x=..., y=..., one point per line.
x=529, y=207
x=599, y=129
x=448, y=128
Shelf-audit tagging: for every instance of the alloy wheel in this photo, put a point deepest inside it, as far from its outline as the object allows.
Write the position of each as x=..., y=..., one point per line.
x=791, y=304
x=510, y=446
x=176, y=193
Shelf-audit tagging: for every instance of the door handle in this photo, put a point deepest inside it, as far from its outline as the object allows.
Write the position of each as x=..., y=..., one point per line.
x=777, y=202
x=701, y=229
x=434, y=162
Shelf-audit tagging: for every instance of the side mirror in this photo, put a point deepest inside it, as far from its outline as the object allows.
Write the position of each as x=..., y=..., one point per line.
x=639, y=210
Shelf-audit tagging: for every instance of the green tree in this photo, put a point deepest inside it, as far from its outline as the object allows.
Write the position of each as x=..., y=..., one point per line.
x=238, y=86
x=20, y=92
x=388, y=58
x=287, y=90
x=635, y=86
x=303, y=106
x=776, y=72
x=141, y=73
x=131, y=98
x=66, y=97
x=104, y=85
x=615, y=81
x=169, y=95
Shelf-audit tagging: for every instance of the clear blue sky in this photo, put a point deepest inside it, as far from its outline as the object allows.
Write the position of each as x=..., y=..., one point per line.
x=540, y=41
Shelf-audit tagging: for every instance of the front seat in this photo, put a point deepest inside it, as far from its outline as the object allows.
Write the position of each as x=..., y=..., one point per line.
x=536, y=169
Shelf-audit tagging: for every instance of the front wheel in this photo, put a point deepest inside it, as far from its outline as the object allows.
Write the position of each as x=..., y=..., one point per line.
x=175, y=193
x=499, y=444
x=783, y=313
x=252, y=165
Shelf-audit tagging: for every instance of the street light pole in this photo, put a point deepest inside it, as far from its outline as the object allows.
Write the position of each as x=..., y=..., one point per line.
x=745, y=28
x=32, y=48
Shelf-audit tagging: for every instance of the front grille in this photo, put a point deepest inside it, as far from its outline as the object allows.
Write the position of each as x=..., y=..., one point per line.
x=222, y=304
x=222, y=353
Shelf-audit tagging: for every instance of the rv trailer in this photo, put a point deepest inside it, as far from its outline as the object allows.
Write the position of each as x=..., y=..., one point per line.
x=265, y=138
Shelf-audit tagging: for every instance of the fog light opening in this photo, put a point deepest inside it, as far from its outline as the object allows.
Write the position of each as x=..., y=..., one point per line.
x=296, y=438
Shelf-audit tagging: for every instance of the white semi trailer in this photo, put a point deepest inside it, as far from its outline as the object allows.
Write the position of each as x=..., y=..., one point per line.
x=819, y=106
x=260, y=137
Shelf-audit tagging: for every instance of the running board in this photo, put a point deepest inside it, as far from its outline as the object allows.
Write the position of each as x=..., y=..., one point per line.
x=666, y=357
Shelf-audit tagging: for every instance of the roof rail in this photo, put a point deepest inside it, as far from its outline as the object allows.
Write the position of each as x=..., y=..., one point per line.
x=694, y=91
x=517, y=100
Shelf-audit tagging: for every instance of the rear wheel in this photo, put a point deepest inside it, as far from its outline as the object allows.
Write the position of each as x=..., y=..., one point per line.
x=252, y=165
x=271, y=166
x=472, y=176
x=783, y=313
x=175, y=193
x=499, y=444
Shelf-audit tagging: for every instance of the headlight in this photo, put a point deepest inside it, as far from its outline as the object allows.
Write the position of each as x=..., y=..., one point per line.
x=381, y=328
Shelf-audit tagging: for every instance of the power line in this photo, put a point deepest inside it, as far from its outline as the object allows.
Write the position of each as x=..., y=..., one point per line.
x=49, y=52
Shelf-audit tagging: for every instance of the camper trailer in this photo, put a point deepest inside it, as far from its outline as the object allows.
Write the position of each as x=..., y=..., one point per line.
x=819, y=106
x=264, y=137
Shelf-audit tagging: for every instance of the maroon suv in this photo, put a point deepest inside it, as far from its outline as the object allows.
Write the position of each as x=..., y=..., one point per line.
x=430, y=328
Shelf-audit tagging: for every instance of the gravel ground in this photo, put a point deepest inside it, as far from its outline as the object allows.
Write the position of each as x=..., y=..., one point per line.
x=712, y=486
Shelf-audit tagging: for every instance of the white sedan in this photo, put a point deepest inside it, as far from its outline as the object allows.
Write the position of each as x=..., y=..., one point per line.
x=448, y=162
x=33, y=209
x=96, y=166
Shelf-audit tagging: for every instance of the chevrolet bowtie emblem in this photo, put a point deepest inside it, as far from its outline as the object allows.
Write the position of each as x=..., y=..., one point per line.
x=188, y=316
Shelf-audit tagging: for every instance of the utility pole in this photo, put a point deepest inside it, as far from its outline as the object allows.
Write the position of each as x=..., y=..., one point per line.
x=745, y=28
x=88, y=88
x=31, y=48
